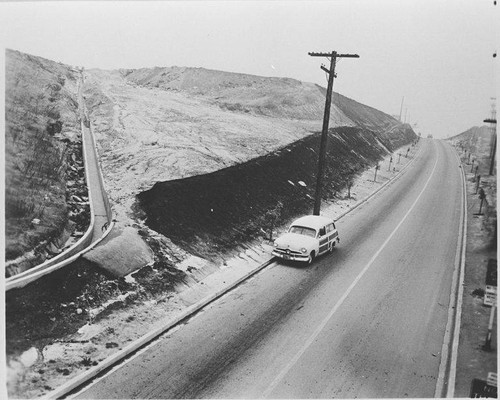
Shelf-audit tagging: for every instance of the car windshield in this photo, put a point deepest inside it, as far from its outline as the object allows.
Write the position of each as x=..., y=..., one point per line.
x=302, y=230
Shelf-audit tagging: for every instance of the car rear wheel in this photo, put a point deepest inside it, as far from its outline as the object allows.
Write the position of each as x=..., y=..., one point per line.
x=330, y=249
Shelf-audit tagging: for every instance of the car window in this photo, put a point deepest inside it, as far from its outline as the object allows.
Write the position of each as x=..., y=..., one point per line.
x=322, y=231
x=329, y=228
x=302, y=230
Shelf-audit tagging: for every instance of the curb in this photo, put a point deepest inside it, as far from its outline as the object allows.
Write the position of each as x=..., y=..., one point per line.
x=445, y=385
x=458, y=306
x=146, y=339
x=143, y=341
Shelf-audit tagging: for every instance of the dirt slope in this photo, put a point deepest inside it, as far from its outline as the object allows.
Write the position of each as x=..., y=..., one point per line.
x=208, y=213
x=43, y=162
x=191, y=121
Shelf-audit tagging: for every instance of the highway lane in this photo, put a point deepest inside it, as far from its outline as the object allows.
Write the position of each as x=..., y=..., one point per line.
x=366, y=321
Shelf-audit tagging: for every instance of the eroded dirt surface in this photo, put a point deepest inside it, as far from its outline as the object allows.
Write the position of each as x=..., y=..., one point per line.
x=207, y=214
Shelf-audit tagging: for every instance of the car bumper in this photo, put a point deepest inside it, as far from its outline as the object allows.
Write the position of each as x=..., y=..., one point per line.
x=290, y=257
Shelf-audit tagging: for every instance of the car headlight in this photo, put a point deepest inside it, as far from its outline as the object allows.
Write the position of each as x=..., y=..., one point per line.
x=275, y=244
x=303, y=250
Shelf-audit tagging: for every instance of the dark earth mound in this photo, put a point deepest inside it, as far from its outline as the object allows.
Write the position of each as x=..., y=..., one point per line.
x=59, y=304
x=207, y=214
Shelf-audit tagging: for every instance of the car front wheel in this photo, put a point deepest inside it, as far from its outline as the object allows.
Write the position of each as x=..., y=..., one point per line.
x=311, y=258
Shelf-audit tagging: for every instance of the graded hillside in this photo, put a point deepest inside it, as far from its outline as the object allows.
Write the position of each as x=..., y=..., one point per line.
x=192, y=121
x=44, y=176
x=390, y=131
x=473, y=134
x=174, y=141
x=473, y=141
x=161, y=125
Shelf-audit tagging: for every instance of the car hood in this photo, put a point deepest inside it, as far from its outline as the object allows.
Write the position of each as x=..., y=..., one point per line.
x=294, y=241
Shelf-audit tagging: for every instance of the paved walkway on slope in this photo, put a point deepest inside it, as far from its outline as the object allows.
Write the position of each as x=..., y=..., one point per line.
x=94, y=180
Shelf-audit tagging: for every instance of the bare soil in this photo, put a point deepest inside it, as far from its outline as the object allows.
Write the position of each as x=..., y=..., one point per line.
x=206, y=214
x=46, y=203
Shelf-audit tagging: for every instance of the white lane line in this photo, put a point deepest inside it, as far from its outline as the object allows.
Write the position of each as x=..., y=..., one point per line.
x=325, y=321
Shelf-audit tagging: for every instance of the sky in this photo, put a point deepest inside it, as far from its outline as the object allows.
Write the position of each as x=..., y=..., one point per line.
x=437, y=55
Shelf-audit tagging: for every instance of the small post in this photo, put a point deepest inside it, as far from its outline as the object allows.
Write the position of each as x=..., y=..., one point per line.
x=477, y=184
x=390, y=162
x=472, y=168
x=349, y=185
x=399, y=159
x=487, y=343
x=376, y=169
x=482, y=196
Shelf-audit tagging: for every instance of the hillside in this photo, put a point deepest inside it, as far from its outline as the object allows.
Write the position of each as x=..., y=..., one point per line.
x=216, y=127
x=160, y=125
x=474, y=141
x=191, y=121
x=44, y=177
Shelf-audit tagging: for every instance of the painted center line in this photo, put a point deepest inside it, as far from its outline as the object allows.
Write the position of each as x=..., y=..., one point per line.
x=325, y=321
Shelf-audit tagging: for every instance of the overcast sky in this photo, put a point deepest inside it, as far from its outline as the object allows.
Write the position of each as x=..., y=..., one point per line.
x=437, y=54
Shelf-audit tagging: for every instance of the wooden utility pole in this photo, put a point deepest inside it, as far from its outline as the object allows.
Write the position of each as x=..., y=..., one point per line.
x=326, y=119
x=493, y=123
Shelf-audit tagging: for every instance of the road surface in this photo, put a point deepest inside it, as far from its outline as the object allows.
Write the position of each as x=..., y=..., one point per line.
x=367, y=321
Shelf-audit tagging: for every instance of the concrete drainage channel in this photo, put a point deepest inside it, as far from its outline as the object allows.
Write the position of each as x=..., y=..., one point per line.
x=81, y=380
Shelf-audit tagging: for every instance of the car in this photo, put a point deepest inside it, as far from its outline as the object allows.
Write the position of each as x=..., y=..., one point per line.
x=308, y=237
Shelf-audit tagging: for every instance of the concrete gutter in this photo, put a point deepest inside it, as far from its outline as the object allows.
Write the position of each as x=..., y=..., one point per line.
x=445, y=386
x=81, y=379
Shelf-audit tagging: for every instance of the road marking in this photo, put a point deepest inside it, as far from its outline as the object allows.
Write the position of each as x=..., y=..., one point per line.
x=325, y=321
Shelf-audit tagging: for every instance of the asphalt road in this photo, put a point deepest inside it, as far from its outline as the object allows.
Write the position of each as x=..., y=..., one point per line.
x=367, y=321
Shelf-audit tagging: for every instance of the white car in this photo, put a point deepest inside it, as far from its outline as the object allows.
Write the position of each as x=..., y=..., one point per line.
x=307, y=238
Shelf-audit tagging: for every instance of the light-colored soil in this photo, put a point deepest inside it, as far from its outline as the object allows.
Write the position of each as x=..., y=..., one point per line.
x=177, y=134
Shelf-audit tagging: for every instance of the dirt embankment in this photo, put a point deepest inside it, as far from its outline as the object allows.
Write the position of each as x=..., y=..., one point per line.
x=207, y=214
x=45, y=191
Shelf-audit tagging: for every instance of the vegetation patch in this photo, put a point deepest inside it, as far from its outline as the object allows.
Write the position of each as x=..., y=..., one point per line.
x=40, y=148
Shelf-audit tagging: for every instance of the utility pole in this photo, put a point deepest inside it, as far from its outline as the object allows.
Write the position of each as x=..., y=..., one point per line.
x=401, y=110
x=493, y=122
x=326, y=119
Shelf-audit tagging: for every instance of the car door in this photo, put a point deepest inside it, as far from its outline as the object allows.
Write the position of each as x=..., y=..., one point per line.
x=323, y=240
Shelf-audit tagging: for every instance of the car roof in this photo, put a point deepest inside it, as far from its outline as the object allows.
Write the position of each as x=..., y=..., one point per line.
x=313, y=221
